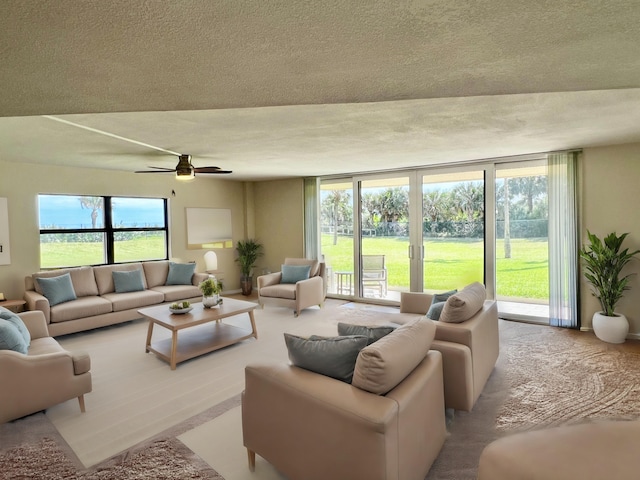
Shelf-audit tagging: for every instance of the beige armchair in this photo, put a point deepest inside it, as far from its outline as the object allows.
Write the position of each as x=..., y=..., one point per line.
x=388, y=423
x=45, y=376
x=299, y=295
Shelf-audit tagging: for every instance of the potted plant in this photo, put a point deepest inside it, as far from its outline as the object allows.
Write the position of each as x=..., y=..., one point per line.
x=248, y=253
x=604, y=261
x=211, y=289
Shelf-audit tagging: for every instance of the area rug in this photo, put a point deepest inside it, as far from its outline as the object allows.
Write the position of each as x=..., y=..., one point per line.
x=164, y=459
x=556, y=376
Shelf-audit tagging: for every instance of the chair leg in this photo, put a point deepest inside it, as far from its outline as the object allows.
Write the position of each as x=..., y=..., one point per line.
x=252, y=460
x=81, y=402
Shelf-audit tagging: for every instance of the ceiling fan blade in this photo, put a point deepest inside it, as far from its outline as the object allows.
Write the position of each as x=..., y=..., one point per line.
x=154, y=171
x=210, y=170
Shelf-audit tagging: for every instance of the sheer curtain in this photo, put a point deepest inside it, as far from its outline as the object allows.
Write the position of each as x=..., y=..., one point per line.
x=563, y=239
x=311, y=217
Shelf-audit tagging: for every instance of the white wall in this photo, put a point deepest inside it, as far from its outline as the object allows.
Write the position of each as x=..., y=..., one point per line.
x=610, y=202
x=21, y=184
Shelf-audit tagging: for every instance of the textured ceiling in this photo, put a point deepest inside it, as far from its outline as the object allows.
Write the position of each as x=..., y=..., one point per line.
x=289, y=88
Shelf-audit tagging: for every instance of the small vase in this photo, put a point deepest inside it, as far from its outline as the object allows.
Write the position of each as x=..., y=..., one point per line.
x=210, y=302
x=610, y=329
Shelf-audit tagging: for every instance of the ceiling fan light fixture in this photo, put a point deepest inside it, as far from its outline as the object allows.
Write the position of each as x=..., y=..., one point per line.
x=185, y=171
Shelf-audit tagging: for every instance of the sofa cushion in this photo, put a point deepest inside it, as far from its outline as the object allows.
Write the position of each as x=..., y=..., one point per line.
x=331, y=356
x=80, y=308
x=372, y=332
x=8, y=315
x=464, y=304
x=129, y=300
x=43, y=346
x=156, y=272
x=104, y=275
x=385, y=363
x=314, y=264
x=180, y=273
x=281, y=290
x=57, y=289
x=11, y=338
x=82, y=278
x=128, y=281
x=294, y=273
x=437, y=304
x=177, y=292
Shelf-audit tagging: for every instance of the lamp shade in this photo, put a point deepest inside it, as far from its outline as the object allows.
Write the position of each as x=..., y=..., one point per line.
x=211, y=261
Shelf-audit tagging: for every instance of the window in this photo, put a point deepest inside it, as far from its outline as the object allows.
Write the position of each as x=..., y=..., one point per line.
x=89, y=230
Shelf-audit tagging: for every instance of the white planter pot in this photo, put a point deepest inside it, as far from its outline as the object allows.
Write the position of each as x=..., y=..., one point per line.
x=210, y=302
x=610, y=329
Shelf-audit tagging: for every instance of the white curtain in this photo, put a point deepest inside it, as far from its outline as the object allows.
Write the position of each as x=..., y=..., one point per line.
x=311, y=217
x=563, y=239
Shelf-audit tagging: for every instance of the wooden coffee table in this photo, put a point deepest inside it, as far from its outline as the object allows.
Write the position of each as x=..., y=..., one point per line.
x=198, y=341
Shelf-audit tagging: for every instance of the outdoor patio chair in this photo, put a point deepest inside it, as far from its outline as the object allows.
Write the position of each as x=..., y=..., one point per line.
x=374, y=273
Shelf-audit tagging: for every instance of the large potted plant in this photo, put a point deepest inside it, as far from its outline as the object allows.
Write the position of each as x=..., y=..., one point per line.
x=248, y=253
x=603, y=264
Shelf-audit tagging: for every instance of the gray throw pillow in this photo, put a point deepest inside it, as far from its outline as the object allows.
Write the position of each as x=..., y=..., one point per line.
x=128, y=281
x=331, y=356
x=180, y=273
x=8, y=315
x=11, y=339
x=57, y=289
x=373, y=333
x=437, y=304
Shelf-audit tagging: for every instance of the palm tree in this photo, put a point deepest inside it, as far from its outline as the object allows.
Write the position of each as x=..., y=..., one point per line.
x=95, y=204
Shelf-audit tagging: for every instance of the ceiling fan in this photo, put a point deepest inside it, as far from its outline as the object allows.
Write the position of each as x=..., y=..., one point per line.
x=185, y=170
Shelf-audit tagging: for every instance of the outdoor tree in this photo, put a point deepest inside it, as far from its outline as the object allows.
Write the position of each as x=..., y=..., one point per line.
x=337, y=206
x=95, y=204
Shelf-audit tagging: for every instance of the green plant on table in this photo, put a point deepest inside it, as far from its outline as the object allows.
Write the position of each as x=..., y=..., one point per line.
x=210, y=287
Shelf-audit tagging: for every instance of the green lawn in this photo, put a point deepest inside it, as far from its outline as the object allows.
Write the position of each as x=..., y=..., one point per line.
x=452, y=263
x=91, y=253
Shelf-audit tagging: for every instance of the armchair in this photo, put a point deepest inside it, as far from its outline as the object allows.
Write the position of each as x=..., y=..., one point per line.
x=45, y=376
x=299, y=295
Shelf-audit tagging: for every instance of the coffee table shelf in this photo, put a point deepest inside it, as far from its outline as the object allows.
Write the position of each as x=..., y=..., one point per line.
x=211, y=333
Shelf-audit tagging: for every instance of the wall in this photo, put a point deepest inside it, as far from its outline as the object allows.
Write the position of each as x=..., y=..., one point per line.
x=279, y=218
x=609, y=202
x=23, y=182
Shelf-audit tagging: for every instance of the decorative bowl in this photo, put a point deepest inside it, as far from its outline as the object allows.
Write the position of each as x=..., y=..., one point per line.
x=179, y=311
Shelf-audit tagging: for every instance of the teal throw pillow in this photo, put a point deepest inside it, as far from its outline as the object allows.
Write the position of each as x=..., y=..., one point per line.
x=331, y=356
x=373, y=333
x=437, y=304
x=57, y=289
x=8, y=315
x=294, y=273
x=10, y=337
x=180, y=273
x=128, y=281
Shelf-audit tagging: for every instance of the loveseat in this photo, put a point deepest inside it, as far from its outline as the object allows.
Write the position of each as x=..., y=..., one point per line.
x=108, y=294
x=42, y=374
x=387, y=423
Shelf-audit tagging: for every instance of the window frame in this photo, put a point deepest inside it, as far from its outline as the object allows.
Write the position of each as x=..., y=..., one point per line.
x=109, y=231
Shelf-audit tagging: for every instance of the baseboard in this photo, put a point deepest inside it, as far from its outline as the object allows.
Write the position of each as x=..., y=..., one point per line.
x=630, y=336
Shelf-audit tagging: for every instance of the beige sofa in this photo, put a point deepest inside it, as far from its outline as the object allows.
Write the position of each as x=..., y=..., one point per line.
x=97, y=302
x=594, y=451
x=45, y=376
x=387, y=424
x=299, y=295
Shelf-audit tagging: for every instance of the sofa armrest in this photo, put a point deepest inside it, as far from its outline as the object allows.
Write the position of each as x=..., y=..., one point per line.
x=414, y=302
x=35, y=323
x=35, y=301
x=310, y=291
x=269, y=279
x=198, y=278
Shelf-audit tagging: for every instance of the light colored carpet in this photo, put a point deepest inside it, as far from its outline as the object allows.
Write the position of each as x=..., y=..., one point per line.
x=557, y=376
x=136, y=395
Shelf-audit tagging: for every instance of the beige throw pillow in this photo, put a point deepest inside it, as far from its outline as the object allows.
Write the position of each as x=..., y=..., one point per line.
x=385, y=363
x=464, y=304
